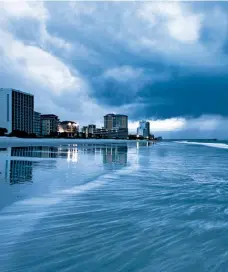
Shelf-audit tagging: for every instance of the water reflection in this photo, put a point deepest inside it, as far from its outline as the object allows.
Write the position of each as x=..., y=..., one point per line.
x=19, y=171
x=35, y=152
x=117, y=155
x=143, y=144
x=17, y=163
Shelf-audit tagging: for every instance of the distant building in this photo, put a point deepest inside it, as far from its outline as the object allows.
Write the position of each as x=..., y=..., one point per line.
x=91, y=129
x=69, y=127
x=144, y=129
x=16, y=110
x=36, y=123
x=85, y=129
x=115, y=126
x=115, y=121
x=120, y=133
x=49, y=124
x=115, y=154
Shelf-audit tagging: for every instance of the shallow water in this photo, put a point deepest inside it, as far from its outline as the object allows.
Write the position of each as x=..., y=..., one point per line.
x=119, y=207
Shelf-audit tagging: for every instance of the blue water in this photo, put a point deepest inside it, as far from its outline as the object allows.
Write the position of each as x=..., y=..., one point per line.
x=121, y=207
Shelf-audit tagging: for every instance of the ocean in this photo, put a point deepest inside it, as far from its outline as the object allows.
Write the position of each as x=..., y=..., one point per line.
x=114, y=206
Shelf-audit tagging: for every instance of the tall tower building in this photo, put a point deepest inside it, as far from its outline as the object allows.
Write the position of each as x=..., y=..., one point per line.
x=16, y=110
x=115, y=126
x=115, y=121
x=143, y=129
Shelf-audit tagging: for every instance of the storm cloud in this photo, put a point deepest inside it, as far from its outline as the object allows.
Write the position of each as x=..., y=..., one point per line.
x=151, y=60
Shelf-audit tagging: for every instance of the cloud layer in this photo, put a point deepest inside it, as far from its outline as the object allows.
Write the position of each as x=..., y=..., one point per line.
x=150, y=60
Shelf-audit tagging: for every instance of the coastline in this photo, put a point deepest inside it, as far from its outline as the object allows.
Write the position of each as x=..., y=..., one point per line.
x=16, y=142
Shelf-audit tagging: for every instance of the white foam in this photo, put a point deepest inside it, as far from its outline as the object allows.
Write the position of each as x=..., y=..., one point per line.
x=216, y=145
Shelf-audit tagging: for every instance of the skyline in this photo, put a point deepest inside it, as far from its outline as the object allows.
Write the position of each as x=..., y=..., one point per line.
x=153, y=61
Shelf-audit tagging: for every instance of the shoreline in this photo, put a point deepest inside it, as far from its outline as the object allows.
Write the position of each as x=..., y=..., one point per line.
x=17, y=142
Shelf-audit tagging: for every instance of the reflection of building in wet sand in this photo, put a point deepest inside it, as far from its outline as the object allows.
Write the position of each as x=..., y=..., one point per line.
x=111, y=153
x=16, y=165
x=19, y=171
x=115, y=154
x=35, y=152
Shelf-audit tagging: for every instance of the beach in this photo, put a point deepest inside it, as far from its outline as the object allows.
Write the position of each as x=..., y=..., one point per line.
x=104, y=205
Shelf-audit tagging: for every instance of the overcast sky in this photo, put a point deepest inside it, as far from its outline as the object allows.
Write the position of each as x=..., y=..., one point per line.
x=165, y=62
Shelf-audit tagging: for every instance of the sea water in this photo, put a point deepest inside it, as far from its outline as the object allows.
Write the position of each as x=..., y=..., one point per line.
x=132, y=206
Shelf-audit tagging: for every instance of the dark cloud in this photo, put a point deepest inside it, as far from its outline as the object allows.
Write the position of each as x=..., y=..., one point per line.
x=171, y=60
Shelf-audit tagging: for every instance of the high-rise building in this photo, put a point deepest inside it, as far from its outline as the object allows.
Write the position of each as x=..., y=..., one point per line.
x=49, y=124
x=16, y=110
x=115, y=121
x=115, y=126
x=36, y=123
x=144, y=129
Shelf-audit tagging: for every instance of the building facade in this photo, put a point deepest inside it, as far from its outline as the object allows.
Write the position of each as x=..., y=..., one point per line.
x=115, y=126
x=120, y=133
x=85, y=129
x=115, y=121
x=144, y=129
x=69, y=127
x=36, y=123
x=91, y=129
x=16, y=109
x=49, y=124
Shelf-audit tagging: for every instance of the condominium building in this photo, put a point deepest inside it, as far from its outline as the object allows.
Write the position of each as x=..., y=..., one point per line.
x=144, y=129
x=49, y=124
x=16, y=110
x=116, y=125
x=36, y=123
x=115, y=121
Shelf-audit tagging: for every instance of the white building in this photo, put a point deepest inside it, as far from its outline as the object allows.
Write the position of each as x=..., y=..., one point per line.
x=144, y=129
x=16, y=110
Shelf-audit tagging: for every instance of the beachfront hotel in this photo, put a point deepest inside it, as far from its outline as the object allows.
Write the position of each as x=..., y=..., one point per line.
x=115, y=127
x=16, y=110
x=115, y=121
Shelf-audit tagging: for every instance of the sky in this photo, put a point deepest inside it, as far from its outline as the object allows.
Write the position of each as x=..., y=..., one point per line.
x=166, y=62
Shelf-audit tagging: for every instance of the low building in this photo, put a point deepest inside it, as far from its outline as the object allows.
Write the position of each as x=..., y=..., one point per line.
x=69, y=127
x=36, y=123
x=120, y=133
x=85, y=129
x=49, y=124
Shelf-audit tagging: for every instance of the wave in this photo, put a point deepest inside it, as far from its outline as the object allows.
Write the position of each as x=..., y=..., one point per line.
x=215, y=145
x=23, y=215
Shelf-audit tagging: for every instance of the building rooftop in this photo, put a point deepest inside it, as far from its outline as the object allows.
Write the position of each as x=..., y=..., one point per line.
x=11, y=89
x=67, y=122
x=49, y=116
x=112, y=114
